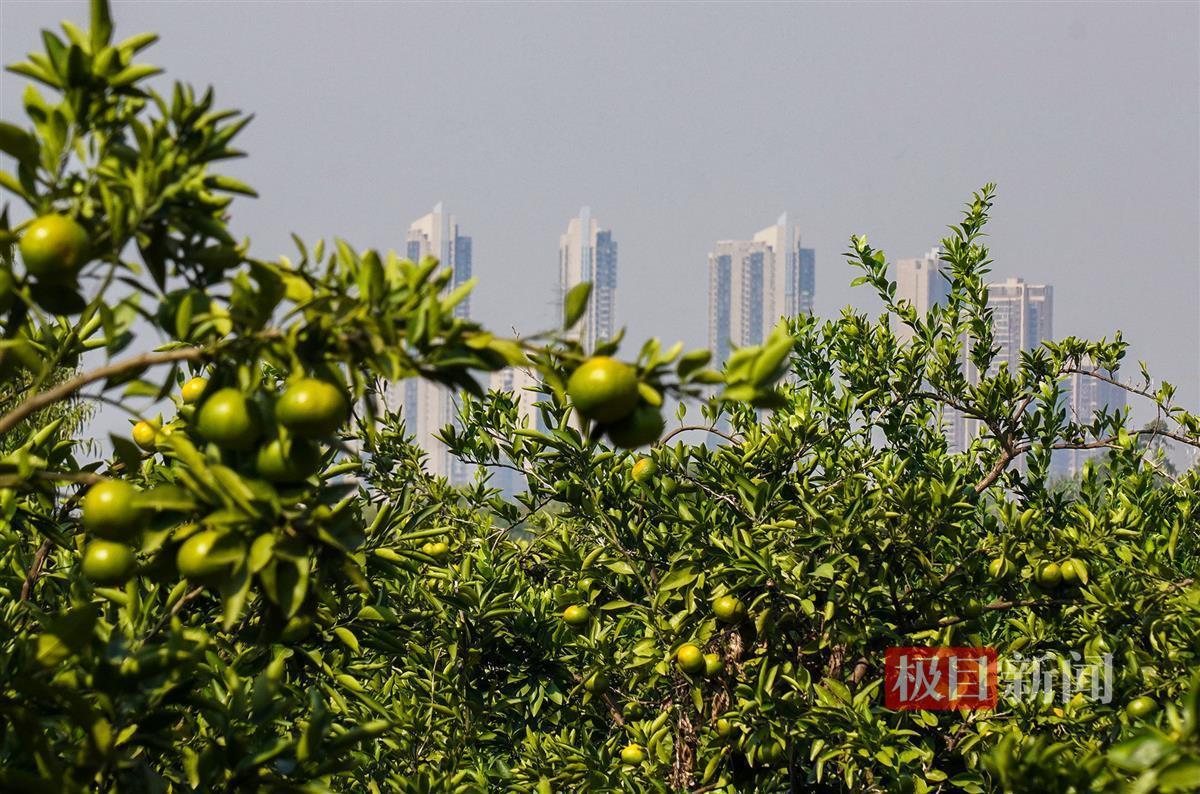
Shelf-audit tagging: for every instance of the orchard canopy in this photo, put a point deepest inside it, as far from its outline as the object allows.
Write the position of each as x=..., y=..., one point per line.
x=263, y=588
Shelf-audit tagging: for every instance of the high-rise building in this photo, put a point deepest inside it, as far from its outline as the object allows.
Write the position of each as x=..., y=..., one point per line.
x=1022, y=318
x=522, y=383
x=429, y=407
x=753, y=283
x=923, y=283
x=1084, y=398
x=437, y=235
x=587, y=252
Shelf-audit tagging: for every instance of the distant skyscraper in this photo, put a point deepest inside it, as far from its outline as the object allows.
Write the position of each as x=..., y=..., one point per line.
x=588, y=253
x=521, y=382
x=921, y=282
x=1086, y=397
x=429, y=407
x=1022, y=318
x=753, y=283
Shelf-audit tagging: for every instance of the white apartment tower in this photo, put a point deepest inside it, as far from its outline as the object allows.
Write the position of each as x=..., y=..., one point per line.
x=921, y=282
x=753, y=283
x=1022, y=318
x=429, y=407
x=522, y=383
x=587, y=252
x=1085, y=398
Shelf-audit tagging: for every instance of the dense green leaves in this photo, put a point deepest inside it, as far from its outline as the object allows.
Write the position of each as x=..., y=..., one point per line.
x=349, y=622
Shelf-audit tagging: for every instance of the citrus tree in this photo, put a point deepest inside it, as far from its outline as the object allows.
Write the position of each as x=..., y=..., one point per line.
x=264, y=588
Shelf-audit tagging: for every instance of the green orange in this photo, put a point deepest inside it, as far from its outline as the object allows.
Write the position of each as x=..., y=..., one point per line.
x=191, y=391
x=111, y=512
x=644, y=470
x=690, y=659
x=632, y=755
x=714, y=665
x=999, y=568
x=604, y=389
x=288, y=461
x=1048, y=576
x=144, y=435
x=229, y=419
x=1141, y=707
x=596, y=682
x=644, y=426
x=576, y=615
x=1075, y=571
x=204, y=559
x=54, y=248
x=729, y=609
x=108, y=563
x=439, y=550
x=312, y=408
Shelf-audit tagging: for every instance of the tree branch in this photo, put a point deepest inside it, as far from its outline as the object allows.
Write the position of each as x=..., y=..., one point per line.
x=1014, y=452
x=1000, y=606
x=705, y=428
x=66, y=389
x=35, y=570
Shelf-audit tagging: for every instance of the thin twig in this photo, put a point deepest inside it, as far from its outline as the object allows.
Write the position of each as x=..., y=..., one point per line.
x=1000, y=606
x=64, y=390
x=191, y=595
x=35, y=570
x=706, y=428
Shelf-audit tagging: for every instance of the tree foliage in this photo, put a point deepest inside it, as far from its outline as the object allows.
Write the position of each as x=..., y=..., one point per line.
x=359, y=624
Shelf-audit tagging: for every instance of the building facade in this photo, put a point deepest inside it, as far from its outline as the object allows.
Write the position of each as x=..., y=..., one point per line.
x=428, y=407
x=587, y=252
x=753, y=283
x=1022, y=318
x=522, y=383
x=1085, y=398
x=921, y=282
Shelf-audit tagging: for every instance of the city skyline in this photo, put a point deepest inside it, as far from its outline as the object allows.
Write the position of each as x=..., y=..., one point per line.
x=679, y=152
x=748, y=281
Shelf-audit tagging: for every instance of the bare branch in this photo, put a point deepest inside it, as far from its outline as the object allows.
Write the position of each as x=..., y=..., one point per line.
x=705, y=428
x=35, y=570
x=1000, y=606
x=36, y=402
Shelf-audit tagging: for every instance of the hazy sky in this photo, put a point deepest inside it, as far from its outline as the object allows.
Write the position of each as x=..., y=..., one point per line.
x=681, y=124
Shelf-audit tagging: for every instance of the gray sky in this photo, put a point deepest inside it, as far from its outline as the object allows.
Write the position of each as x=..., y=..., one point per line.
x=681, y=124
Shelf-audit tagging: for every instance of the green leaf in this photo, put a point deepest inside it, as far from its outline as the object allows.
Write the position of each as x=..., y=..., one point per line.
x=102, y=26
x=1141, y=752
x=677, y=579
x=233, y=594
x=229, y=185
x=347, y=637
x=285, y=582
x=127, y=452
x=19, y=144
x=132, y=74
x=67, y=634
x=1183, y=775
x=167, y=498
x=575, y=304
